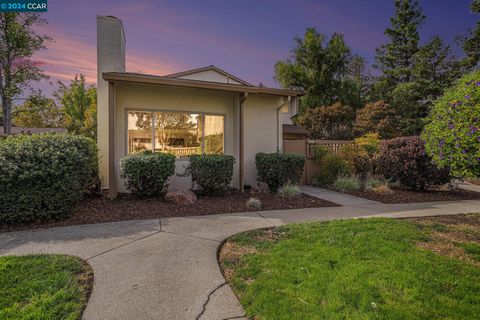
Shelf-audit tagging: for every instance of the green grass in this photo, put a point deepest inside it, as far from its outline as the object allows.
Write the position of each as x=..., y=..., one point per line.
x=43, y=287
x=351, y=269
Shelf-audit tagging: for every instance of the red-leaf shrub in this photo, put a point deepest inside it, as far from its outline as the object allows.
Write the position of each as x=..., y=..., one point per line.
x=404, y=159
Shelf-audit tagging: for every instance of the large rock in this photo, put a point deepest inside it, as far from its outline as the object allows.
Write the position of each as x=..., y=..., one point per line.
x=184, y=197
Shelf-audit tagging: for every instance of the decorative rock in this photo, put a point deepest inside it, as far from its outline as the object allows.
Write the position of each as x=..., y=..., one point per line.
x=183, y=197
x=262, y=187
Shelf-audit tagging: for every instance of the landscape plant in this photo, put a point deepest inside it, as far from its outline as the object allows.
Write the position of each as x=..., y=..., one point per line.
x=42, y=176
x=254, y=203
x=347, y=183
x=276, y=169
x=452, y=134
x=332, y=167
x=213, y=173
x=289, y=190
x=146, y=173
x=405, y=160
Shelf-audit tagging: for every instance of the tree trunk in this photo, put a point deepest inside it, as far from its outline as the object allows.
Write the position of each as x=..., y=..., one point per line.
x=7, y=116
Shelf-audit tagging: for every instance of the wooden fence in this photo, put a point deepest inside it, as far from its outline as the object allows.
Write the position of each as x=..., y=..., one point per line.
x=306, y=147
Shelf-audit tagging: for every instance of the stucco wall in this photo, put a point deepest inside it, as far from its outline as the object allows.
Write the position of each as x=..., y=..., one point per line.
x=261, y=127
x=158, y=98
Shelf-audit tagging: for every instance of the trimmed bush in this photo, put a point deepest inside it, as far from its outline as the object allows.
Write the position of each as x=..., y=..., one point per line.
x=405, y=160
x=332, y=168
x=347, y=183
x=42, y=176
x=276, y=169
x=211, y=172
x=146, y=173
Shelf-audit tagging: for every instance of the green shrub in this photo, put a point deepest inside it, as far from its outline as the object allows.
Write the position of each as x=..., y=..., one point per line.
x=211, y=172
x=289, y=190
x=404, y=159
x=42, y=176
x=347, y=183
x=146, y=173
x=332, y=168
x=453, y=131
x=276, y=169
x=371, y=183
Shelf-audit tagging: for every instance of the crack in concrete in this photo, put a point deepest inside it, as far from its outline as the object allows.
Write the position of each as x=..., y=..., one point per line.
x=261, y=216
x=204, y=307
x=236, y=317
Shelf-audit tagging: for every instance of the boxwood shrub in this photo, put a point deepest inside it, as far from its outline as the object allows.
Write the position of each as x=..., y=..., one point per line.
x=146, y=173
x=42, y=176
x=211, y=172
x=276, y=169
x=405, y=160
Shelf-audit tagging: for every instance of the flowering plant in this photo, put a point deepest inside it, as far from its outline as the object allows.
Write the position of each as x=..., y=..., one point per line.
x=452, y=134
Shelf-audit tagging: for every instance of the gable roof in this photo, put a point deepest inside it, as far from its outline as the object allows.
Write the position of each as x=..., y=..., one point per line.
x=209, y=68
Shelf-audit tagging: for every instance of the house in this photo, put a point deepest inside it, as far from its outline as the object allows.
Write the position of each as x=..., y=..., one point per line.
x=205, y=110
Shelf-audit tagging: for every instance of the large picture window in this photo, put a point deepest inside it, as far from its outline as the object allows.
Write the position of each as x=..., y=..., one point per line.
x=178, y=133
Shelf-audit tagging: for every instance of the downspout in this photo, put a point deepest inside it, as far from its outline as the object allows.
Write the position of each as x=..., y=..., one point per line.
x=278, y=120
x=241, y=180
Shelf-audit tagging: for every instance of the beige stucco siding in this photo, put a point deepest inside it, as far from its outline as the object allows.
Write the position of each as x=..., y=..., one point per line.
x=149, y=97
x=261, y=130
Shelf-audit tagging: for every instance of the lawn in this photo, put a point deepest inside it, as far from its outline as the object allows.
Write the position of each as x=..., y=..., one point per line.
x=43, y=287
x=358, y=269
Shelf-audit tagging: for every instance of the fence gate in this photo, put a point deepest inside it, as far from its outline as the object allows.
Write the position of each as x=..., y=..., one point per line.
x=299, y=147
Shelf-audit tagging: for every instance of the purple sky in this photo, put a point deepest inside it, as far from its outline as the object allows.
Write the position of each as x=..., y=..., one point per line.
x=245, y=37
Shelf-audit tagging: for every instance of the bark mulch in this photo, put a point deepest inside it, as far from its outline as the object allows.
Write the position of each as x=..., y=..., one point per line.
x=408, y=196
x=96, y=209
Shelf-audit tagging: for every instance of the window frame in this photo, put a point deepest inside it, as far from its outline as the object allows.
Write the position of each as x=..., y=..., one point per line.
x=153, y=111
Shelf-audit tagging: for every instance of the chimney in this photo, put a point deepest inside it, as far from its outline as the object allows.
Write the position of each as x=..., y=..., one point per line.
x=110, y=58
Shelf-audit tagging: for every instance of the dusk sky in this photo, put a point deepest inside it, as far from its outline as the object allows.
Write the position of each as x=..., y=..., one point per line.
x=245, y=38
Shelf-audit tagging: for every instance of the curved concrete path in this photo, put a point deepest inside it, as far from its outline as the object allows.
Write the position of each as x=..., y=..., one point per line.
x=167, y=268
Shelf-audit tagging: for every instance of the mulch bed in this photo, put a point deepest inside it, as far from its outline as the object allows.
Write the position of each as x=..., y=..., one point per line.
x=408, y=196
x=96, y=209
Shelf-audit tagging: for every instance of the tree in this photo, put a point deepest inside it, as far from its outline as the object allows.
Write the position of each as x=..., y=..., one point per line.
x=79, y=106
x=452, y=134
x=18, y=42
x=395, y=59
x=471, y=43
x=377, y=117
x=320, y=68
x=38, y=111
x=328, y=122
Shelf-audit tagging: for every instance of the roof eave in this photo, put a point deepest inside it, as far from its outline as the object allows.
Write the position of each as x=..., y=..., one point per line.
x=176, y=82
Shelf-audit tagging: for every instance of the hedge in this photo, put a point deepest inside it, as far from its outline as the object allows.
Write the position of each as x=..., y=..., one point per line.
x=146, y=173
x=42, y=176
x=276, y=169
x=405, y=160
x=211, y=172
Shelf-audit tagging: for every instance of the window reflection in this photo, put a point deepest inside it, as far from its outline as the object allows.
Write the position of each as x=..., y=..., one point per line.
x=178, y=133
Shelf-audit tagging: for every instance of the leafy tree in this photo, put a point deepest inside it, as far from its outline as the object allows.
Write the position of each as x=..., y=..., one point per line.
x=395, y=59
x=18, y=42
x=471, y=43
x=319, y=67
x=377, y=117
x=329, y=122
x=38, y=111
x=79, y=105
x=452, y=134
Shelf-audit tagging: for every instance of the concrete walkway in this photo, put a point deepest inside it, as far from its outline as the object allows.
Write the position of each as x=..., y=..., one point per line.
x=167, y=268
